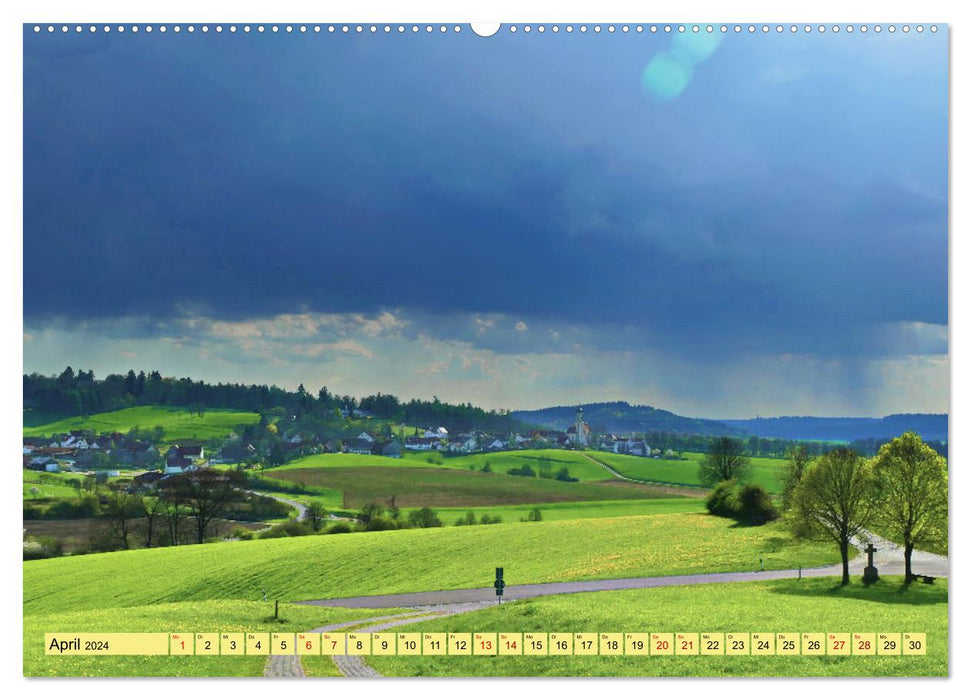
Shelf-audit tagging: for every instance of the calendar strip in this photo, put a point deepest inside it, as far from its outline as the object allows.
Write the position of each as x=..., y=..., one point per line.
x=681, y=644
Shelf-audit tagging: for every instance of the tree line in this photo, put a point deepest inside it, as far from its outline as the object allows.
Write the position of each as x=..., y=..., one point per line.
x=79, y=393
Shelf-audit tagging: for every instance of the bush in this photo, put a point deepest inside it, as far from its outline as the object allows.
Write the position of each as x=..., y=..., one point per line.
x=86, y=506
x=748, y=504
x=370, y=511
x=42, y=548
x=486, y=468
x=755, y=506
x=34, y=550
x=424, y=517
x=241, y=533
x=380, y=522
x=535, y=516
x=723, y=499
x=338, y=528
x=467, y=519
x=564, y=475
x=291, y=528
x=490, y=519
x=524, y=470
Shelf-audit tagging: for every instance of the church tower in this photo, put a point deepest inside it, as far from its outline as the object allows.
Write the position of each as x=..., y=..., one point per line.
x=580, y=427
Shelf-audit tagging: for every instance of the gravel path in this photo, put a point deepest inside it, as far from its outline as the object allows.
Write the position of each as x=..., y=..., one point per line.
x=300, y=507
x=283, y=667
x=356, y=667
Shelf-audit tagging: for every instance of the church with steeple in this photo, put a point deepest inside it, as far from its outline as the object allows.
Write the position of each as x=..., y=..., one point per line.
x=579, y=432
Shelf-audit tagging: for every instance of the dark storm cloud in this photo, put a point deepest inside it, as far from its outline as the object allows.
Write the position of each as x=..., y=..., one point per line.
x=790, y=200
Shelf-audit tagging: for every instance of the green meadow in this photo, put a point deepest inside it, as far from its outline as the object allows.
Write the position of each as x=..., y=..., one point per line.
x=764, y=470
x=807, y=605
x=401, y=561
x=35, y=491
x=433, y=487
x=499, y=462
x=203, y=616
x=178, y=423
x=575, y=511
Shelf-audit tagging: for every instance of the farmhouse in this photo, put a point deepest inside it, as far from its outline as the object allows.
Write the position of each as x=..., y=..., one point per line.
x=178, y=465
x=357, y=446
x=138, y=453
x=43, y=464
x=422, y=443
x=147, y=481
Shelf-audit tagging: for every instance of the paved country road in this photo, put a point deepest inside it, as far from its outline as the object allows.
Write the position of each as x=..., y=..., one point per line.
x=888, y=559
x=300, y=507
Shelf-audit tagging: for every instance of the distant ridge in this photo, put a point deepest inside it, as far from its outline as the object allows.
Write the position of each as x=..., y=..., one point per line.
x=930, y=426
x=621, y=417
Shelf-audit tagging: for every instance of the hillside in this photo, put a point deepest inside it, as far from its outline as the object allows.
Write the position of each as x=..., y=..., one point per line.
x=622, y=417
x=399, y=561
x=930, y=426
x=178, y=423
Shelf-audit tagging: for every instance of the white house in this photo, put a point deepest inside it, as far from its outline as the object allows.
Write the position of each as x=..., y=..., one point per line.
x=421, y=443
x=366, y=436
x=496, y=444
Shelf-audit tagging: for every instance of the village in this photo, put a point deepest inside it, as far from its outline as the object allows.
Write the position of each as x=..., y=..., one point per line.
x=140, y=453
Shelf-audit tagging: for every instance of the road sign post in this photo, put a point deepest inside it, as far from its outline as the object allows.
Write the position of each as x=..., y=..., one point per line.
x=499, y=583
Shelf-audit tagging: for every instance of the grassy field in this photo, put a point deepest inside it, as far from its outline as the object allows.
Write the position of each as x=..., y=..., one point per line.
x=34, y=491
x=765, y=471
x=203, y=616
x=178, y=423
x=580, y=467
x=401, y=561
x=339, y=460
x=413, y=487
x=809, y=605
x=575, y=511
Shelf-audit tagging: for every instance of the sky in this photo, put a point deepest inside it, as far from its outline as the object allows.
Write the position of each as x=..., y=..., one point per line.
x=721, y=226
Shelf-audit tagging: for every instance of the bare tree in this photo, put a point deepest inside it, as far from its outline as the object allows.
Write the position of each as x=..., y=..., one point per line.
x=121, y=512
x=206, y=493
x=725, y=460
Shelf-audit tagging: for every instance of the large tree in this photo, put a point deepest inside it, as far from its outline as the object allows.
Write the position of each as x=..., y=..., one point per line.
x=911, y=484
x=725, y=460
x=834, y=500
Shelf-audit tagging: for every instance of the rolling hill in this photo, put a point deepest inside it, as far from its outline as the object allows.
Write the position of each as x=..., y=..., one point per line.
x=622, y=417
